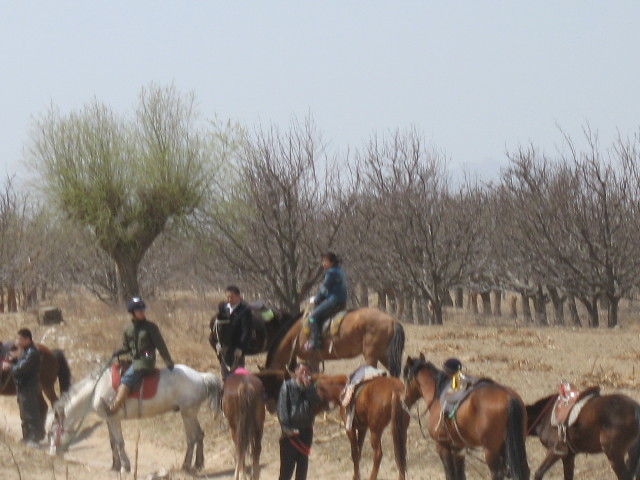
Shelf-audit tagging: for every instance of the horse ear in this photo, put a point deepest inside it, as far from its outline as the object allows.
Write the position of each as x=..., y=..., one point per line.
x=422, y=356
x=409, y=360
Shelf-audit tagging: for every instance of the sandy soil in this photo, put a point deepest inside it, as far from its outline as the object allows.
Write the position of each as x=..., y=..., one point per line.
x=532, y=360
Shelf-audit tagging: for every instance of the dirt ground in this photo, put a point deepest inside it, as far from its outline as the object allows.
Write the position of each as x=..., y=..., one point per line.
x=532, y=360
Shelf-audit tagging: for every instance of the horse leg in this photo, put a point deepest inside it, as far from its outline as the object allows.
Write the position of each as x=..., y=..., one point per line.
x=192, y=433
x=43, y=415
x=446, y=456
x=120, y=458
x=495, y=462
x=356, y=439
x=458, y=466
x=199, y=447
x=257, y=449
x=568, y=465
x=616, y=460
x=546, y=464
x=376, y=445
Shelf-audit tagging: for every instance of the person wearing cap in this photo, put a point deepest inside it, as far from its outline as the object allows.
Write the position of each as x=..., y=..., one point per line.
x=296, y=402
x=452, y=367
x=141, y=339
x=26, y=376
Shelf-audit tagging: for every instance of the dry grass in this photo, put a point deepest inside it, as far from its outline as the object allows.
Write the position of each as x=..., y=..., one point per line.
x=532, y=360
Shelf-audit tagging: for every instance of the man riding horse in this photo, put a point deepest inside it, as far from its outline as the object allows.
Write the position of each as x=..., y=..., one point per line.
x=330, y=299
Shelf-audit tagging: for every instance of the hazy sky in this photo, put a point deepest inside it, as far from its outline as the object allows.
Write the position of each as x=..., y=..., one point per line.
x=475, y=78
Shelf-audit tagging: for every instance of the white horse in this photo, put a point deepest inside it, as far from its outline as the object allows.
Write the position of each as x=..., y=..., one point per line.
x=182, y=389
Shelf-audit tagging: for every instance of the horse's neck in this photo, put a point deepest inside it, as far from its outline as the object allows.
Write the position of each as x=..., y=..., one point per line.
x=79, y=399
x=286, y=349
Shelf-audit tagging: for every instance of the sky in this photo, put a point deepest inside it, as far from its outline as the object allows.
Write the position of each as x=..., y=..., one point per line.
x=475, y=79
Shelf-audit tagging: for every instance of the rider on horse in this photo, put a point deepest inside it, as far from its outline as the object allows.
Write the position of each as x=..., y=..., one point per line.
x=140, y=339
x=330, y=299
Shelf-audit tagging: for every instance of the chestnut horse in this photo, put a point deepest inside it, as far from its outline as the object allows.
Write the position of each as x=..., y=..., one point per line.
x=244, y=408
x=53, y=366
x=606, y=423
x=367, y=331
x=493, y=417
x=378, y=402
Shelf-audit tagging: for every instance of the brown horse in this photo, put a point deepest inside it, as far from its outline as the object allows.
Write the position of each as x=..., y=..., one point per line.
x=53, y=366
x=367, y=331
x=492, y=417
x=606, y=423
x=378, y=402
x=244, y=408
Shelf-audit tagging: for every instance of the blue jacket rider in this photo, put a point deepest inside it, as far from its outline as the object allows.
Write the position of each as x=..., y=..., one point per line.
x=330, y=299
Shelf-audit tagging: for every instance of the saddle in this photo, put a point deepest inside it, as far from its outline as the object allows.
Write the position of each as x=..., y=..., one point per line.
x=362, y=375
x=145, y=388
x=569, y=403
x=330, y=327
x=451, y=398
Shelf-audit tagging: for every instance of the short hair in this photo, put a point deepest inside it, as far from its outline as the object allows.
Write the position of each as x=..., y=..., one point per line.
x=25, y=333
x=332, y=257
x=302, y=363
x=233, y=289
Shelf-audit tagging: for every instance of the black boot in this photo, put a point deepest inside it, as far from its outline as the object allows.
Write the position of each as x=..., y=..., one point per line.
x=315, y=334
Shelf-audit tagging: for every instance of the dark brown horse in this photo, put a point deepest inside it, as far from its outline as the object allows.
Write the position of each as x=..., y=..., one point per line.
x=53, y=366
x=367, y=331
x=377, y=403
x=606, y=423
x=492, y=417
x=244, y=408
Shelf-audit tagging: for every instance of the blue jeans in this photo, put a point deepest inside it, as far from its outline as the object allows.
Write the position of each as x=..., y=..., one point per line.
x=325, y=309
x=131, y=377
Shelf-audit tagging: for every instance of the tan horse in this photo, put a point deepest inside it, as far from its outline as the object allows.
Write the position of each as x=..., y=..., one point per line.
x=367, y=331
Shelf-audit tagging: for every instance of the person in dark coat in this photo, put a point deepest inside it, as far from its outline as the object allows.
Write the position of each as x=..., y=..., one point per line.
x=296, y=402
x=141, y=339
x=26, y=375
x=238, y=335
x=330, y=299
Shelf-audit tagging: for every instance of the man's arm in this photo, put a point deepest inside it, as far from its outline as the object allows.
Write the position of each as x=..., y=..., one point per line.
x=27, y=365
x=159, y=343
x=282, y=409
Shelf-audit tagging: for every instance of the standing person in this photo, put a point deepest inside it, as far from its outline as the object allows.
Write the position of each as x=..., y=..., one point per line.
x=239, y=333
x=297, y=399
x=141, y=339
x=26, y=375
x=330, y=299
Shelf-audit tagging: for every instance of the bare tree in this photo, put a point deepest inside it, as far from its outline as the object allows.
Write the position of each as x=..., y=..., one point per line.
x=283, y=207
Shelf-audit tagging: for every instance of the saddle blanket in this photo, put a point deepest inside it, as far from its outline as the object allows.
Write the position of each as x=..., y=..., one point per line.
x=362, y=375
x=149, y=383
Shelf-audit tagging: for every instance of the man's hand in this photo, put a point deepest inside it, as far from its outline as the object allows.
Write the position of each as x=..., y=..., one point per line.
x=5, y=366
x=237, y=353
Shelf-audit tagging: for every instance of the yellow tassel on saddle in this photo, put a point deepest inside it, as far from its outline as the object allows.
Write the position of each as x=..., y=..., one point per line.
x=456, y=381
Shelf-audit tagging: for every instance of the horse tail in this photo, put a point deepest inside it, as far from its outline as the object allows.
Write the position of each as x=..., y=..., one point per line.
x=395, y=349
x=515, y=441
x=633, y=463
x=213, y=389
x=64, y=372
x=246, y=425
x=399, y=433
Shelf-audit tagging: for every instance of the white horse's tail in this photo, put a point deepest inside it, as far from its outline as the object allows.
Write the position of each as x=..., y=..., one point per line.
x=213, y=386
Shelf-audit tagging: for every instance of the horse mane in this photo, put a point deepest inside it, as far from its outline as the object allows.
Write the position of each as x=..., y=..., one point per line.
x=442, y=381
x=289, y=321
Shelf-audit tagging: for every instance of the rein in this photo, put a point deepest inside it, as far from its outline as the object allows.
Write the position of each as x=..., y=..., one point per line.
x=541, y=414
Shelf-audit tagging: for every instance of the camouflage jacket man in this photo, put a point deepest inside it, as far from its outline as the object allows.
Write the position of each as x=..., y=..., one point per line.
x=140, y=339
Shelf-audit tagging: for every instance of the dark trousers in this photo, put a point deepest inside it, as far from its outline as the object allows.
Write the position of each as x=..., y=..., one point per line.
x=292, y=458
x=30, y=412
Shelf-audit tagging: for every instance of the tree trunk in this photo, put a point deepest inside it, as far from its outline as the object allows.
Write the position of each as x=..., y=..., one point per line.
x=408, y=313
x=421, y=310
x=591, y=305
x=400, y=312
x=382, y=300
x=514, y=306
x=486, y=302
x=573, y=311
x=473, y=299
x=364, y=295
x=497, y=301
x=128, y=277
x=526, y=309
x=558, y=305
x=613, y=312
x=437, y=313
x=12, y=303
x=459, y=297
x=1, y=300
x=540, y=304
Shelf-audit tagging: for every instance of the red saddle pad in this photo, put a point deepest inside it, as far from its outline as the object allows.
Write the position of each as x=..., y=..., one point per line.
x=149, y=383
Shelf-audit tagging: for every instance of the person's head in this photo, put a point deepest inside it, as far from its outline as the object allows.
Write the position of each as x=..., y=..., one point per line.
x=302, y=373
x=329, y=259
x=24, y=338
x=452, y=366
x=233, y=294
x=136, y=307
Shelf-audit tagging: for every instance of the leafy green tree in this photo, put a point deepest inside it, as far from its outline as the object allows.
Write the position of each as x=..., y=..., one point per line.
x=126, y=178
